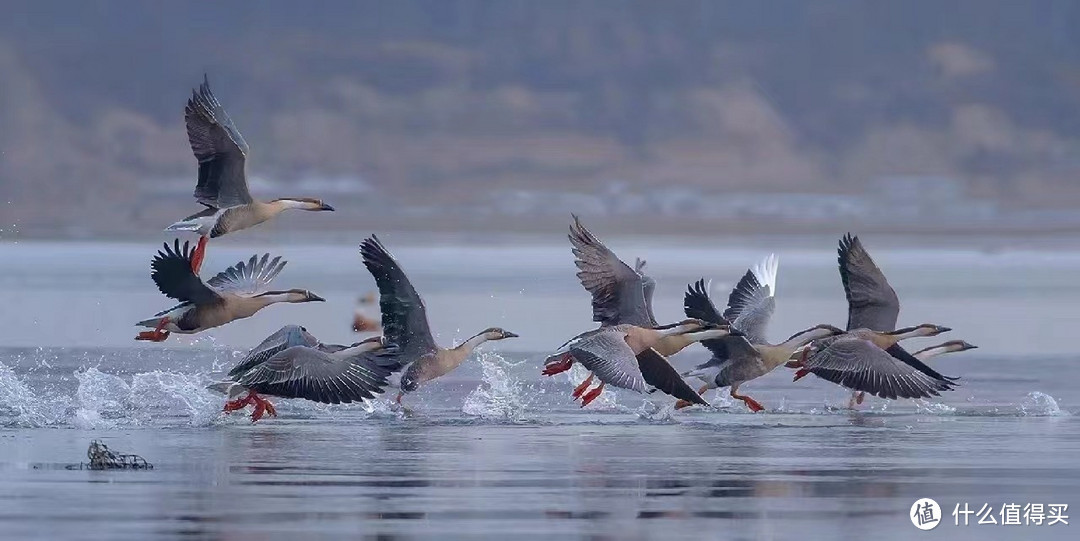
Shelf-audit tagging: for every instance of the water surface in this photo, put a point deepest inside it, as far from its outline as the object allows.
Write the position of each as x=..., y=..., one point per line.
x=494, y=449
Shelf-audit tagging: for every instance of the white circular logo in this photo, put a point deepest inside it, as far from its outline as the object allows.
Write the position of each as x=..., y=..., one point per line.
x=925, y=514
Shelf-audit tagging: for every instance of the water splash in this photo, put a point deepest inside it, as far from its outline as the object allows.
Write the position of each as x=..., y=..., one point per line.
x=19, y=405
x=499, y=396
x=108, y=401
x=1037, y=404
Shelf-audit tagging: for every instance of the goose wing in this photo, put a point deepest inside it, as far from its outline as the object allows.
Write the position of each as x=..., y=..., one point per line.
x=648, y=287
x=753, y=300
x=658, y=372
x=607, y=355
x=617, y=291
x=220, y=150
x=171, y=271
x=872, y=302
x=858, y=364
x=285, y=338
x=308, y=373
x=698, y=305
x=250, y=278
x=404, y=318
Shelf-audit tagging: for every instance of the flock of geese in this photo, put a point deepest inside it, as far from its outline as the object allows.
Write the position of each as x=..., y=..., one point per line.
x=629, y=349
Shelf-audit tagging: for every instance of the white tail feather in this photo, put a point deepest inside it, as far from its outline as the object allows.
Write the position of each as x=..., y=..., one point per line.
x=765, y=272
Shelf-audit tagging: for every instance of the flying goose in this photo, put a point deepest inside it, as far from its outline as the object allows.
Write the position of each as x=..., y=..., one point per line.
x=620, y=295
x=874, y=362
x=952, y=346
x=739, y=359
x=405, y=324
x=235, y=293
x=872, y=302
x=222, y=187
x=291, y=363
x=623, y=356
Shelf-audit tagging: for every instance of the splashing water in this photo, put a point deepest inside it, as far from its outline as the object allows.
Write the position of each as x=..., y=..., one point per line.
x=107, y=401
x=499, y=396
x=1038, y=404
x=19, y=406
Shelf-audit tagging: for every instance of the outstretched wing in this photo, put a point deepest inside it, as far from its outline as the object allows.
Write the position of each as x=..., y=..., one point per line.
x=404, y=318
x=305, y=372
x=659, y=373
x=220, y=149
x=858, y=364
x=247, y=279
x=285, y=338
x=607, y=355
x=648, y=287
x=872, y=302
x=753, y=300
x=698, y=305
x=171, y=271
x=617, y=292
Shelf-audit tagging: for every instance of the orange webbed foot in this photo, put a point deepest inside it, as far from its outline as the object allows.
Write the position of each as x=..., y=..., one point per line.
x=591, y=395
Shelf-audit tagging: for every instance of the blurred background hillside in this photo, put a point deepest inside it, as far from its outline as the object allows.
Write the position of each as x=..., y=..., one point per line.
x=475, y=115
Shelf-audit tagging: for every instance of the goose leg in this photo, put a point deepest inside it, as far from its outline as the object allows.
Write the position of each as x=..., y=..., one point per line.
x=561, y=364
x=237, y=404
x=156, y=335
x=857, y=397
x=581, y=388
x=591, y=395
x=750, y=402
x=262, y=406
x=198, y=255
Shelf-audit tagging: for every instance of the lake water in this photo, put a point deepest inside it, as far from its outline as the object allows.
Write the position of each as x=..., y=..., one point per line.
x=494, y=448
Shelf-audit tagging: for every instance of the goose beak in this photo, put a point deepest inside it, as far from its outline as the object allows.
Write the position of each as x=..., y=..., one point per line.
x=508, y=334
x=326, y=207
x=311, y=297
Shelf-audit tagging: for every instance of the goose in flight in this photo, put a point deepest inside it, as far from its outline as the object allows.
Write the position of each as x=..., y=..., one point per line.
x=738, y=359
x=222, y=186
x=291, y=363
x=952, y=346
x=620, y=295
x=624, y=356
x=405, y=324
x=874, y=362
x=235, y=293
x=872, y=302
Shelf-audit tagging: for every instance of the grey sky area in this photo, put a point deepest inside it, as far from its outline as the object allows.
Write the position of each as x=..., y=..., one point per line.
x=473, y=115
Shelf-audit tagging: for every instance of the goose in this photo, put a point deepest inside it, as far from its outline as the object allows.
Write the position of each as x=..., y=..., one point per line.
x=405, y=324
x=738, y=359
x=952, y=346
x=222, y=186
x=623, y=355
x=874, y=362
x=620, y=295
x=235, y=293
x=291, y=363
x=872, y=302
